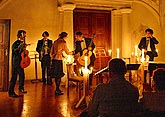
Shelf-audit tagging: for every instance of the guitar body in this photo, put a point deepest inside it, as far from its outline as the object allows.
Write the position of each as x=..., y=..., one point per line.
x=25, y=62
x=81, y=59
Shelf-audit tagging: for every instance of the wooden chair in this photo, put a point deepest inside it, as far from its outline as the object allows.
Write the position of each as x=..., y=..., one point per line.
x=72, y=77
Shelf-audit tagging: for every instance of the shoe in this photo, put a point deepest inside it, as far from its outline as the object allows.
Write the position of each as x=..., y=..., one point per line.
x=59, y=90
x=14, y=95
x=44, y=81
x=58, y=93
x=49, y=83
x=22, y=91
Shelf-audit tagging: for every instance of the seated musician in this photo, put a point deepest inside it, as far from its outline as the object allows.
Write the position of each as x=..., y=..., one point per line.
x=153, y=102
x=84, y=47
x=148, y=43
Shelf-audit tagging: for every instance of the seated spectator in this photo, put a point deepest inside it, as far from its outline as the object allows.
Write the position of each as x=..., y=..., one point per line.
x=153, y=103
x=116, y=98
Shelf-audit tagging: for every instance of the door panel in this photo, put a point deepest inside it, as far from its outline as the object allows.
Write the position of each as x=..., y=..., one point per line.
x=98, y=22
x=4, y=57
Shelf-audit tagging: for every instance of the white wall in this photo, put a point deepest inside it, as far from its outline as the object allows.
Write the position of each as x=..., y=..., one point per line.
x=34, y=16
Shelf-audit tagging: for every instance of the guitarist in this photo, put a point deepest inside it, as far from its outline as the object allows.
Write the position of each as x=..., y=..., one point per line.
x=81, y=44
x=17, y=49
x=43, y=48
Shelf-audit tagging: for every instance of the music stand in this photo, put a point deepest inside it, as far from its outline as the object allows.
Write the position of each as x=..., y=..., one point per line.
x=133, y=66
x=153, y=66
x=35, y=80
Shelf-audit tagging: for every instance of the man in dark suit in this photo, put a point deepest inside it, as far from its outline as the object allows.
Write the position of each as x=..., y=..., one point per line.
x=43, y=48
x=17, y=49
x=148, y=44
x=82, y=46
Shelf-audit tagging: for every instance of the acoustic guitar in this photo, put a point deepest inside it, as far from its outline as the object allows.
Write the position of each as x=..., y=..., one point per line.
x=86, y=52
x=25, y=61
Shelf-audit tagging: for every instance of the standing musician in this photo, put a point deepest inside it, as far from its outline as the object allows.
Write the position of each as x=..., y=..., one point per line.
x=17, y=48
x=43, y=48
x=81, y=45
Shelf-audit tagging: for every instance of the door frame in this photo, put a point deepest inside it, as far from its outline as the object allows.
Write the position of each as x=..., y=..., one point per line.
x=6, y=24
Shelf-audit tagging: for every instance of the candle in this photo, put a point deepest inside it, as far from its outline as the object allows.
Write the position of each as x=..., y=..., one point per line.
x=118, y=53
x=136, y=50
x=86, y=62
x=142, y=56
x=110, y=52
x=132, y=54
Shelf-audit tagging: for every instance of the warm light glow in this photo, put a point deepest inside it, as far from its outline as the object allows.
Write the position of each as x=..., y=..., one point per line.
x=86, y=62
x=69, y=59
x=132, y=54
x=110, y=52
x=136, y=50
x=91, y=69
x=143, y=58
x=157, y=50
x=118, y=53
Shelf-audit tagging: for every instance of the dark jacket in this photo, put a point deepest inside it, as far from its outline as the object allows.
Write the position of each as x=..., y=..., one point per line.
x=143, y=45
x=40, y=46
x=16, y=53
x=89, y=42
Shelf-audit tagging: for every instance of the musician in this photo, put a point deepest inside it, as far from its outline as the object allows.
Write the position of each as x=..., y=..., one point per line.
x=17, y=48
x=81, y=44
x=43, y=48
x=148, y=44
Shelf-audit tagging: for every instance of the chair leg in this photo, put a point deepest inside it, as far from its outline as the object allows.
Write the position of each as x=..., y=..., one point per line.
x=77, y=85
x=68, y=88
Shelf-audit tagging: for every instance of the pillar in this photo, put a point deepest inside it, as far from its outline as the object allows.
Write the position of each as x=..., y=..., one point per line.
x=126, y=33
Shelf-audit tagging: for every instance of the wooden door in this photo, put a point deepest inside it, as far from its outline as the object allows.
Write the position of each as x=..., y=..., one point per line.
x=4, y=53
x=97, y=22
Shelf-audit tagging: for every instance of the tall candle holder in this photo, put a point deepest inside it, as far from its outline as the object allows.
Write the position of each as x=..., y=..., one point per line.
x=85, y=73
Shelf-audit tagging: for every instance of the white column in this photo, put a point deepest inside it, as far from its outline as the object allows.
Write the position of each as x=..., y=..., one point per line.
x=61, y=18
x=116, y=32
x=68, y=23
x=126, y=33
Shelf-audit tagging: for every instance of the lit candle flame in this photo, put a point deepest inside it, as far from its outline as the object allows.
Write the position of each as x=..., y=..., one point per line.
x=136, y=50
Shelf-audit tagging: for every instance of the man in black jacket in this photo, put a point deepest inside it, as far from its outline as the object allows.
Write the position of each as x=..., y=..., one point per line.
x=84, y=47
x=43, y=48
x=17, y=49
x=148, y=44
